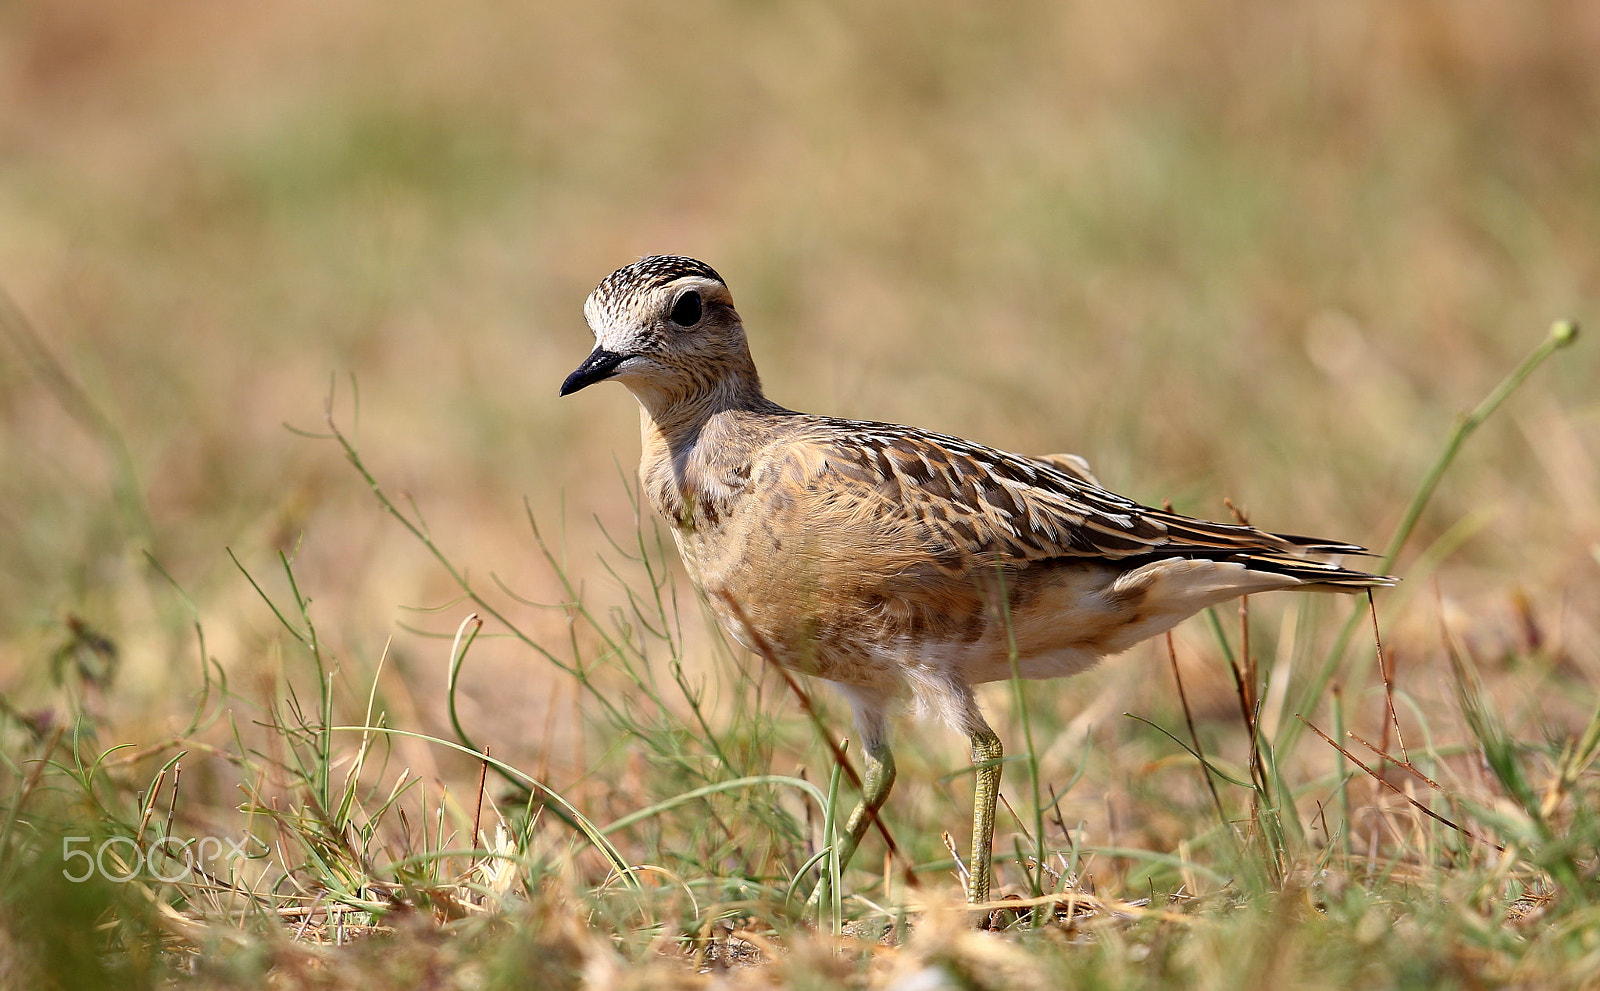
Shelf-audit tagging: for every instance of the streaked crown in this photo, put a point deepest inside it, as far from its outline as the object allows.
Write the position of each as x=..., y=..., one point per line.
x=648, y=273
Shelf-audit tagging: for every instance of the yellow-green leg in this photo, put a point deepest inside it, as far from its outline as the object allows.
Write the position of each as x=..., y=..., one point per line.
x=875, y=785
x=876, y=781
x=987, y=754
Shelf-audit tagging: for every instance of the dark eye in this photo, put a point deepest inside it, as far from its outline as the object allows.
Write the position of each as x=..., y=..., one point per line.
x=686, y=311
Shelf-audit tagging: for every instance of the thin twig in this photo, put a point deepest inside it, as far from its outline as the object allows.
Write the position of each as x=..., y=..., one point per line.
x=961, y=864
x=477, y=812
x=1404, y=765
x=172, y=805
x=1055, y=806
x=1194, y=736
x=1385, y=667
x=1251, y=675
x=1469, y=834
x=1257, y=774
x=1252, y=679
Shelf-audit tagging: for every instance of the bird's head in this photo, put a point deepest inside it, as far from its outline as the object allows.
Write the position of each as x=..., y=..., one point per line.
x=666, y=328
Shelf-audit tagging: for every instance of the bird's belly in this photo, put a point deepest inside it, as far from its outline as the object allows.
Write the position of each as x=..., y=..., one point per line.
x=773, y=600
x=889, y=628
x=976, y=664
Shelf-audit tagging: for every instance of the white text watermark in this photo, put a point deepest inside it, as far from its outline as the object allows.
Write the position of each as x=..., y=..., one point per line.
x=120, y=859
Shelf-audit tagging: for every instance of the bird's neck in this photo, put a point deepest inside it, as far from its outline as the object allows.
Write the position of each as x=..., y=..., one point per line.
x=674, y=417
x=692, y=440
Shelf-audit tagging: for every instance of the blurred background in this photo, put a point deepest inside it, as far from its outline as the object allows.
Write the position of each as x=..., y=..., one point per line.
x=1257, y=250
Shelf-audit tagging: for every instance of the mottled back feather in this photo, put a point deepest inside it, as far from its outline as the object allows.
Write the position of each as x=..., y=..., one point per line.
x=980, y=504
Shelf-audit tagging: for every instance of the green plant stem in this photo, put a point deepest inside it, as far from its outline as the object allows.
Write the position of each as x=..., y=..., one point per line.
x=1562, y=334
x=1035, y=876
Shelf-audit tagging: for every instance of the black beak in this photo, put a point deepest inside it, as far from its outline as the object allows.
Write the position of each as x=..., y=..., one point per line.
x=599, y=366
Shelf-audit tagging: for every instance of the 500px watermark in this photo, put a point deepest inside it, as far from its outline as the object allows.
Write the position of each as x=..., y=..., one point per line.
x=120, y=859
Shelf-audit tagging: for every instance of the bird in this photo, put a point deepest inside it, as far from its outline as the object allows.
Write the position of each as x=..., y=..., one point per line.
x=900, y=564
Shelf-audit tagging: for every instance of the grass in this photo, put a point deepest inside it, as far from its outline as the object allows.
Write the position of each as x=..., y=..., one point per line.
x=1270, y=252
x=1467, y=857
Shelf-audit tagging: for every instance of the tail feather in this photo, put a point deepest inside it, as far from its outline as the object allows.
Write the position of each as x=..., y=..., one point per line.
x=1310, y=569
x=1298, y=559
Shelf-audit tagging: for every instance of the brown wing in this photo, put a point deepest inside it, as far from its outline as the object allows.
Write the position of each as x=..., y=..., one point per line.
x=971, y=505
